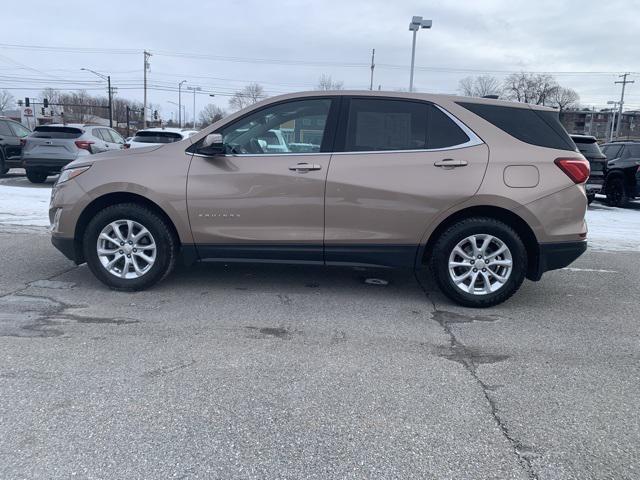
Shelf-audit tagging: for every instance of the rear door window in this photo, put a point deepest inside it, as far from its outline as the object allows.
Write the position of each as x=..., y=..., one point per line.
x=56, y=132
x=588, y=147
x=612, y=151
x=4, y=129
x=631, y=151
x=385, y=125
x=115, y=136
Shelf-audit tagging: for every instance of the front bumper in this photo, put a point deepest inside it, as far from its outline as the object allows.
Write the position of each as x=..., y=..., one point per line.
x=67, y=246
x=553, y=256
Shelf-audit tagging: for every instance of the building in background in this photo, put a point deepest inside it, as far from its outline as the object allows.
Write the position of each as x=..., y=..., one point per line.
x=598, y=123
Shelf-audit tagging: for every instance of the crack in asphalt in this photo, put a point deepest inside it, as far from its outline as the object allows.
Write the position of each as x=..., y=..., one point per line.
x=461, y=354
x=28, y=284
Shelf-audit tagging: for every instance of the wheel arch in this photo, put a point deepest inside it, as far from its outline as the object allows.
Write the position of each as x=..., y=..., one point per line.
x=510, y=218
x=114, y=198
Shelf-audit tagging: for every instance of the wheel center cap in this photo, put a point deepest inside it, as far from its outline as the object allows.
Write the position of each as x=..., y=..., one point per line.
x=480, y=264
x=127, y=249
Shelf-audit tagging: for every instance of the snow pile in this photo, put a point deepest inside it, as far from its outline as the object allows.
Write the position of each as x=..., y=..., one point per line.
x=24, y=206
x=610, y=229
x=614, y=229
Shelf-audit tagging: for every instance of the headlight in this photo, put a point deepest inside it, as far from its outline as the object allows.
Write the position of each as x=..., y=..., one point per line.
x=70, y=173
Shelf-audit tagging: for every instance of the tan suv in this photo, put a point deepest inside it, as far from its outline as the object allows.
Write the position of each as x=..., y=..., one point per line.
x=484, y=192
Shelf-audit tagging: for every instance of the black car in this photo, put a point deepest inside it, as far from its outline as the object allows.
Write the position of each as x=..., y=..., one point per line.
x=588, y=147
x=11, y=142
x=622, y=179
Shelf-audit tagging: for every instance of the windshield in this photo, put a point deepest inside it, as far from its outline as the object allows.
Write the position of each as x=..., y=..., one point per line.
x=157, y=137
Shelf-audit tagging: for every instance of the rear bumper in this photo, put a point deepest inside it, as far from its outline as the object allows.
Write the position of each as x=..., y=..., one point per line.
x=49, y=164
x=553, y=256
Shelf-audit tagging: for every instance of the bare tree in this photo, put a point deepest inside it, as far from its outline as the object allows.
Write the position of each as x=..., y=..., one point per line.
x=211, y=114
x=529, y=87
x=564, y=98
x=326, y=83
x=51, y=94
x=249, y=95
x=479, y=86
x=6, y=100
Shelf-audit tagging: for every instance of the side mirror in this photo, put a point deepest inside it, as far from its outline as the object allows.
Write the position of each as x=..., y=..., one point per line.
x=212, y=145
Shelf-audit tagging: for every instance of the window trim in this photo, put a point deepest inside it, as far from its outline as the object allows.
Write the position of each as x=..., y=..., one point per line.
x=474, y=139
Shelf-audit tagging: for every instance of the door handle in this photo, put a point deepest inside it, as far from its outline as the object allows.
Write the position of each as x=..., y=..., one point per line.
x=449, y=163
x=304, y=167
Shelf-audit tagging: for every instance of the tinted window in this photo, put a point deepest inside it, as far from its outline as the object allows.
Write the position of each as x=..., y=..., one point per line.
x=19, y=130
x=631, y=151
x=588, y=147
x=380, y=124
x=102, y=134
x=56, y=132
x=156, y=137
x=612, y=151
x=443, y=132
x=4, y=129
x=536, y=127
x=376, y=124
x=291, y=127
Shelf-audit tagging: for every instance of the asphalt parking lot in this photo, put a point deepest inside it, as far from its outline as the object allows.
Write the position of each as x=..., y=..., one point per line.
x=240, y=371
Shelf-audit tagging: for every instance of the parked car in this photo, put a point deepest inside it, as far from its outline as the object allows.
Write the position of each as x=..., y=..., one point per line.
x=484, y=192
x=50, y=147
x=589, y=147
x=159, y=136
x=622, y=180
x=12, y=135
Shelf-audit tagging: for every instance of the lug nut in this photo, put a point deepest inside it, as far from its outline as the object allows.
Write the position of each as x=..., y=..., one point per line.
x=128, y=255
x=135, y=250
x=484, y=269
x=475, y=269
x=472, y=262
x=122, y=244
x=479, y=257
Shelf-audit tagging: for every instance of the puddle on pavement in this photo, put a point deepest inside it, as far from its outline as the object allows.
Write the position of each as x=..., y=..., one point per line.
x=277, y=332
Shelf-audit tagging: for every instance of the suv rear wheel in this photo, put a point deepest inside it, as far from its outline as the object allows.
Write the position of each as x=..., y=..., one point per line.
x=36, y=176
x=129, y=247
x=479, y=262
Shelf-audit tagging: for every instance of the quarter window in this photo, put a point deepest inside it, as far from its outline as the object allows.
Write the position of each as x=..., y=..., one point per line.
x=5, y=130
x=292, y=127
x=381, y=124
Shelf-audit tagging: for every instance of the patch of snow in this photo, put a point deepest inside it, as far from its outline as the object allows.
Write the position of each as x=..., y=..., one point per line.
x=573, y=269
x=613, y=229
x=24, y=207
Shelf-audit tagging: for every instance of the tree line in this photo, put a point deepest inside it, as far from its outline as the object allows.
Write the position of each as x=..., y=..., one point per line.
x=536, y=88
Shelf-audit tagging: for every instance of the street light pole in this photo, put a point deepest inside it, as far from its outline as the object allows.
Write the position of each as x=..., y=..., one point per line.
x=195, y=89
x=180, y=103
x=613, y=119
x=108, y=79
x=181, y=109
x=416, y=24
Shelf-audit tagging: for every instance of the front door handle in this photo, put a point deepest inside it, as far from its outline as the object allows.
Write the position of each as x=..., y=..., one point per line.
x=449, y=163
x=304, y=167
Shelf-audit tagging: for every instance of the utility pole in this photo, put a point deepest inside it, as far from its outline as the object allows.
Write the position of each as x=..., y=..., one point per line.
x=180, y=103
x=373, y=65
x=144, y=104
x=110, y=101
x=624, y=82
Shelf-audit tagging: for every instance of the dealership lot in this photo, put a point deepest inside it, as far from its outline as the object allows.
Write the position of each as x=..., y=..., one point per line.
x=240, y=371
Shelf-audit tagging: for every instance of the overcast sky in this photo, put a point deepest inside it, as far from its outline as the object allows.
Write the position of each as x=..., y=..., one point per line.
x=287, y=45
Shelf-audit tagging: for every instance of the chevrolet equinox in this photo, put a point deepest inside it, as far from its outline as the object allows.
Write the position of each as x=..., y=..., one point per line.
x=483, y=192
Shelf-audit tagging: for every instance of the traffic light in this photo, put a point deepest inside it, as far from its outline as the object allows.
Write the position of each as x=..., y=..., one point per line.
x=42, y=110
x=155, y=114
x=26, y=101
x=46, y=103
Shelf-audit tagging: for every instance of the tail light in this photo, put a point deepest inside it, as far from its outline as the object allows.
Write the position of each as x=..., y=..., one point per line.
x=577, y=169
x=84, y=144
x=126, y=145
x=23, y=142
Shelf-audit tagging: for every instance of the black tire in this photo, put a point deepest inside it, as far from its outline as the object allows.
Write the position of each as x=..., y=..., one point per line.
x=166, y=246
x=445, y=244
x=36, y=176
x=616, y=192
x=590, y=198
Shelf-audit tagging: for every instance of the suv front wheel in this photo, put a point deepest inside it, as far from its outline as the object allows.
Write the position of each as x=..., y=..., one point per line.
x=479, y=262
x=129, y=247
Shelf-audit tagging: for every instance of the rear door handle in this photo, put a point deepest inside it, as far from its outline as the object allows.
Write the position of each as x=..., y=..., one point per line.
x=449, y=163
x=304, y=167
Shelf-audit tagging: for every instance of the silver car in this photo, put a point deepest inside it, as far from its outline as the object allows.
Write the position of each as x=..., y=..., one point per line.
x=159, y=136
x=50, y=148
